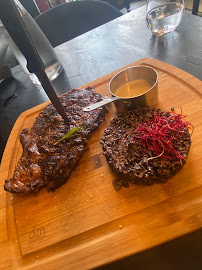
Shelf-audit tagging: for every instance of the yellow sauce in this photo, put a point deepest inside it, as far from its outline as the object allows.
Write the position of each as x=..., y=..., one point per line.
x=133, y=89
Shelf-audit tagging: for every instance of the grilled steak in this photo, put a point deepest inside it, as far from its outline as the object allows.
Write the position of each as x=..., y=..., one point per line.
x=132, y=159
x=45, y=164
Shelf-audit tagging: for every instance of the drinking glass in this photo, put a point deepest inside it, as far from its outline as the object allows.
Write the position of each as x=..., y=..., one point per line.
x=163, y=16
x=52, y=65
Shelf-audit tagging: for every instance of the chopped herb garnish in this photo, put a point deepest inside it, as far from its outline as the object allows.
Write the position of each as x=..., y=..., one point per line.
x=71, y=133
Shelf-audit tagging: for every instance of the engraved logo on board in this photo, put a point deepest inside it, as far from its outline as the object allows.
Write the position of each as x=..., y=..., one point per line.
x=37, y=233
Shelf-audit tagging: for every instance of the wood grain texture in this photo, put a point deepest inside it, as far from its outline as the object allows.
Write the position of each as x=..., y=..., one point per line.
x=86, y=223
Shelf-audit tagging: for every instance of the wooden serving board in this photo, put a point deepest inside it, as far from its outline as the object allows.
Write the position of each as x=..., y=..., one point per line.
x=86, y=222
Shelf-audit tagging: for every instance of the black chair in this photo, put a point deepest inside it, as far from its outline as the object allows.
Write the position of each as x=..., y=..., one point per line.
x=31, y=7
x=69, y=20
x=116, y=3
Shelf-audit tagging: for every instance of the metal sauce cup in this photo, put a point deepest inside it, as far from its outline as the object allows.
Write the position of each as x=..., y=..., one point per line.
x=148, y=98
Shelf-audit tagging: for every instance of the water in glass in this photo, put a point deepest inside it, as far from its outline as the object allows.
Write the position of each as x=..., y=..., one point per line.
x=163, y=18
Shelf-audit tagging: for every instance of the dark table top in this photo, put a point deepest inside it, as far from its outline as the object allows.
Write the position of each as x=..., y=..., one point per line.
x=97, y=53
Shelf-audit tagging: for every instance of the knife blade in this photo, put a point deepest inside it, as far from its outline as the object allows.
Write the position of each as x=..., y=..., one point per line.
x=8, y=10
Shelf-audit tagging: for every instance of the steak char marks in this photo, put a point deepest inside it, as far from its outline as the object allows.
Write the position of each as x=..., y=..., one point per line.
x=133, y=162
x=45, y=164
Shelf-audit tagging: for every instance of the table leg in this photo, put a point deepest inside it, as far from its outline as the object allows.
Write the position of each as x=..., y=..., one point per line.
x=195, y=7
x=127, y=5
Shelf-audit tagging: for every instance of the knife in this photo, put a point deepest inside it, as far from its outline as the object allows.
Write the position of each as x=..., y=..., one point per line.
x=8, y=10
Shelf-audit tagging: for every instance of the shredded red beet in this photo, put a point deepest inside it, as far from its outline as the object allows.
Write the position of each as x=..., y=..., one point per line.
x=160, y=134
